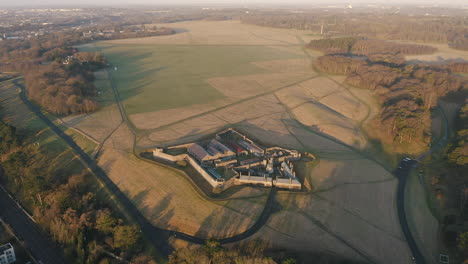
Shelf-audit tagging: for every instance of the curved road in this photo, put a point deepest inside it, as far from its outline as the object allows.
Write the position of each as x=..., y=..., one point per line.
x=402, y=173
x=157, y=236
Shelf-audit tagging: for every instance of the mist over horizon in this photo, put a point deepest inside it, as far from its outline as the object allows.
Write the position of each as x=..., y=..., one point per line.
x=231, y=3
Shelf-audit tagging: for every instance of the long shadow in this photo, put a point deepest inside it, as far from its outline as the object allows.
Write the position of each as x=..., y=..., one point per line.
x=157, y=236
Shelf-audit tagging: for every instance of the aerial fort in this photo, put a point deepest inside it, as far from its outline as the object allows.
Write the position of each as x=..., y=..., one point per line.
x=231, y=158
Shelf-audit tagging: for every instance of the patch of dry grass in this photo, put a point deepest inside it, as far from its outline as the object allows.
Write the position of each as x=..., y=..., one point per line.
x=168, y=200
x=351, y=211
x=229, y=32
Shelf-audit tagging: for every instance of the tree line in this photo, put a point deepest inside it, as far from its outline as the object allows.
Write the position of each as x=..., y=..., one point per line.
x=458, y=67
x=58, y=78
x=457, y=157
x=333, y=45
x=66, y=204
x=360, y=46
x=249, y=252
x=458, y=152
x=406, y=92
x=386, y=26
x=65, y=86
x=8, y=138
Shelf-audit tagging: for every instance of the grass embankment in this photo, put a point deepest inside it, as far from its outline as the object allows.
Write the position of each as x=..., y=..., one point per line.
x=85, y=143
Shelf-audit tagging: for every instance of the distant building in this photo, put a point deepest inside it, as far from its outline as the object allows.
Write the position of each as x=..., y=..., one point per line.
x=7, y=254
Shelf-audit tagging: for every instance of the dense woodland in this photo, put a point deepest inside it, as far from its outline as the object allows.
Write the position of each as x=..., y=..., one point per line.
x=213, y=252
x=407, y=92
x=458, y=67
x=368, y=46
x=359, y=46
x=8, y=138
x=458, y=152
x=59, y=78
x=375, y=25
x=250, y=252
x=336, y=45
x=457, y=182
x=65, y=205
x=65, y=86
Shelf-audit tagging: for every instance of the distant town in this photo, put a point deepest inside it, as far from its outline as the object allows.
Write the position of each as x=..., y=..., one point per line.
x=89, y=23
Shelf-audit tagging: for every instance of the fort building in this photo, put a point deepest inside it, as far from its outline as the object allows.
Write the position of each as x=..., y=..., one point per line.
x=231, y=158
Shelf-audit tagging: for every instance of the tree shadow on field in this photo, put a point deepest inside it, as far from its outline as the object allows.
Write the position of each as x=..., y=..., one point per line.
x=158, y=213
x=230, y=225
x=129, y=72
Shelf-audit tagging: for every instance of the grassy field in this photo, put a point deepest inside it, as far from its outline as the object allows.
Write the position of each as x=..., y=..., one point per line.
x=229, y=32
x=351, y=213
x=168, y=200
x=37, y=133
x=87, y=145
x=180, y=88
x=225, y=74
x=152, y=78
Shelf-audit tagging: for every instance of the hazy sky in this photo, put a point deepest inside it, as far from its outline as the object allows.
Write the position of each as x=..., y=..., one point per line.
x=201, y=2
x=198, y=2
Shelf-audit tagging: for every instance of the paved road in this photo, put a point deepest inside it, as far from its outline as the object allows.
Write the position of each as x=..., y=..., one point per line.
x=271, y=207
x=38, y=244
x=157, y=236
x=402, y=173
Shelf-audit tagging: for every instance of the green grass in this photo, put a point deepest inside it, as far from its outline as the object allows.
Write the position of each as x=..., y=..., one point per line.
x=106, y=96
x=63, y=159
x=157, y=77
x=85, y=144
